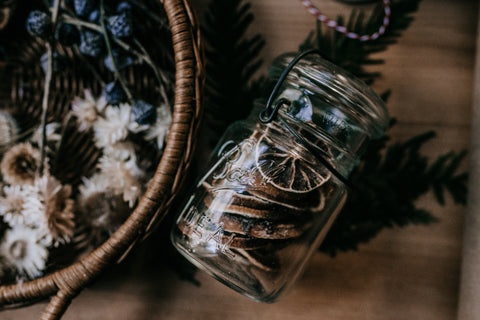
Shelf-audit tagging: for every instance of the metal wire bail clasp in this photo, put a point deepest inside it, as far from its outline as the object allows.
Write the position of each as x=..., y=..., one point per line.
x=268, y=113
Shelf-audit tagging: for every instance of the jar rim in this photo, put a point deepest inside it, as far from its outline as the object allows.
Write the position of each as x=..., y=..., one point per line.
x=319, y=134
x=343, y=89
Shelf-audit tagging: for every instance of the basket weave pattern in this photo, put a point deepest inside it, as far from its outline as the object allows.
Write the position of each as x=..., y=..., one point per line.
x=63, y=285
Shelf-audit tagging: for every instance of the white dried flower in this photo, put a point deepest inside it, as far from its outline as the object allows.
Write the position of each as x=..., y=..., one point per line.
x=123, y=151
x=115, y=177
x=102, y=209
x=8, y=128
x=159, y=130
x=58, y=209
x=87, y=109
x=21, y=251
x=124, y=177
x=20, y=163
x=34, y=214
x=135, y=127
x=113, y=127
x=11, y=205
x=95, y=184
x=51, y=130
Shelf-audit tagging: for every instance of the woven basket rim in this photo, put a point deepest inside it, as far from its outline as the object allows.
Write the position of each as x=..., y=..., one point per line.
x=64, y=284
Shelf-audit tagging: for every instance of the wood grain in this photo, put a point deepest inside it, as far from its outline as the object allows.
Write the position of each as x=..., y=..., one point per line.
x=410, y=273
x=468, y=306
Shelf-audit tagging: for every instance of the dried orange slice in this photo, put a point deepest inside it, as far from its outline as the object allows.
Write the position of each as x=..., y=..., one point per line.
x=265, y=228
x=286, y=164
x=248, y=205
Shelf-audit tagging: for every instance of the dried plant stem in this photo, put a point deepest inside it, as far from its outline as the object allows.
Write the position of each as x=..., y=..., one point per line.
x=62, y=133
x=129, y=48
x=158, y=74
x=80, y=23
x=55, y=11
x=116, y=71
x=46, y=90
x=92, y=69
x=16, y=138
x=148, y=12
x=68, y=18
x=143, y=55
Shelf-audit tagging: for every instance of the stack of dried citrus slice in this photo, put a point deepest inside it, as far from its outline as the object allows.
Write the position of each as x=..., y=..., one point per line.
x=267, y=194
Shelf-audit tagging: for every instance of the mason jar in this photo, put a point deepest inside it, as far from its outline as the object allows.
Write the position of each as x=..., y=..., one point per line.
x=276, y=182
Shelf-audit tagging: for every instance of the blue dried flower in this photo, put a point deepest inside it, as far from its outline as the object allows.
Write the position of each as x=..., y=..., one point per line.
x=114, y=93
x=124, y=6
x=83, y=8
x=120, y=25
x=94, y=16
x=39, y=24
x=122, y=60
x=92, y=43
x=144, y=113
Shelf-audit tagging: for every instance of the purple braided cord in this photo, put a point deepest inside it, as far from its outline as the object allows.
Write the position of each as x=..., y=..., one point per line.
x=333, y=24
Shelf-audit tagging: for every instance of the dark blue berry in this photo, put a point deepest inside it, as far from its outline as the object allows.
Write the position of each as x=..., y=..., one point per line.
x=83, y=7
x=39, y=24
x=114, y=93
x=59, y=62
x=144, y=113
x=120, y=25
x=92, y=43
x=68, y=35
x=124, y=6
x=122, y=60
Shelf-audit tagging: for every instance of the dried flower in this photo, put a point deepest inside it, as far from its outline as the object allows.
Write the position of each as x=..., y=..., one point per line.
x=92, y=185
x=39, y=24
x=123, y=151
x=58, y=208
x=114, y=93
x=52, y=133
x=100, y=206
x=114, y=126
x=11, y=205
x=122, y=177
x=144, y=113
x=20, y=163
x=21, y=251
x=86, y=110
x=34, y=214
x=8, y=128
x=106, y=210
x=159, y=130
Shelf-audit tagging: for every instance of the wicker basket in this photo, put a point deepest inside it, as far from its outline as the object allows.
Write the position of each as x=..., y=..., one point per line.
x=63, y=285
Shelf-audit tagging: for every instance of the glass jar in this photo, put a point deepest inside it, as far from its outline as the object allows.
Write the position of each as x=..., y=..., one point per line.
x=276, y=184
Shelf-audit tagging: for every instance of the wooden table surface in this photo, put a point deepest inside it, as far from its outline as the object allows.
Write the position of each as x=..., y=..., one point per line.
x=410, y=273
